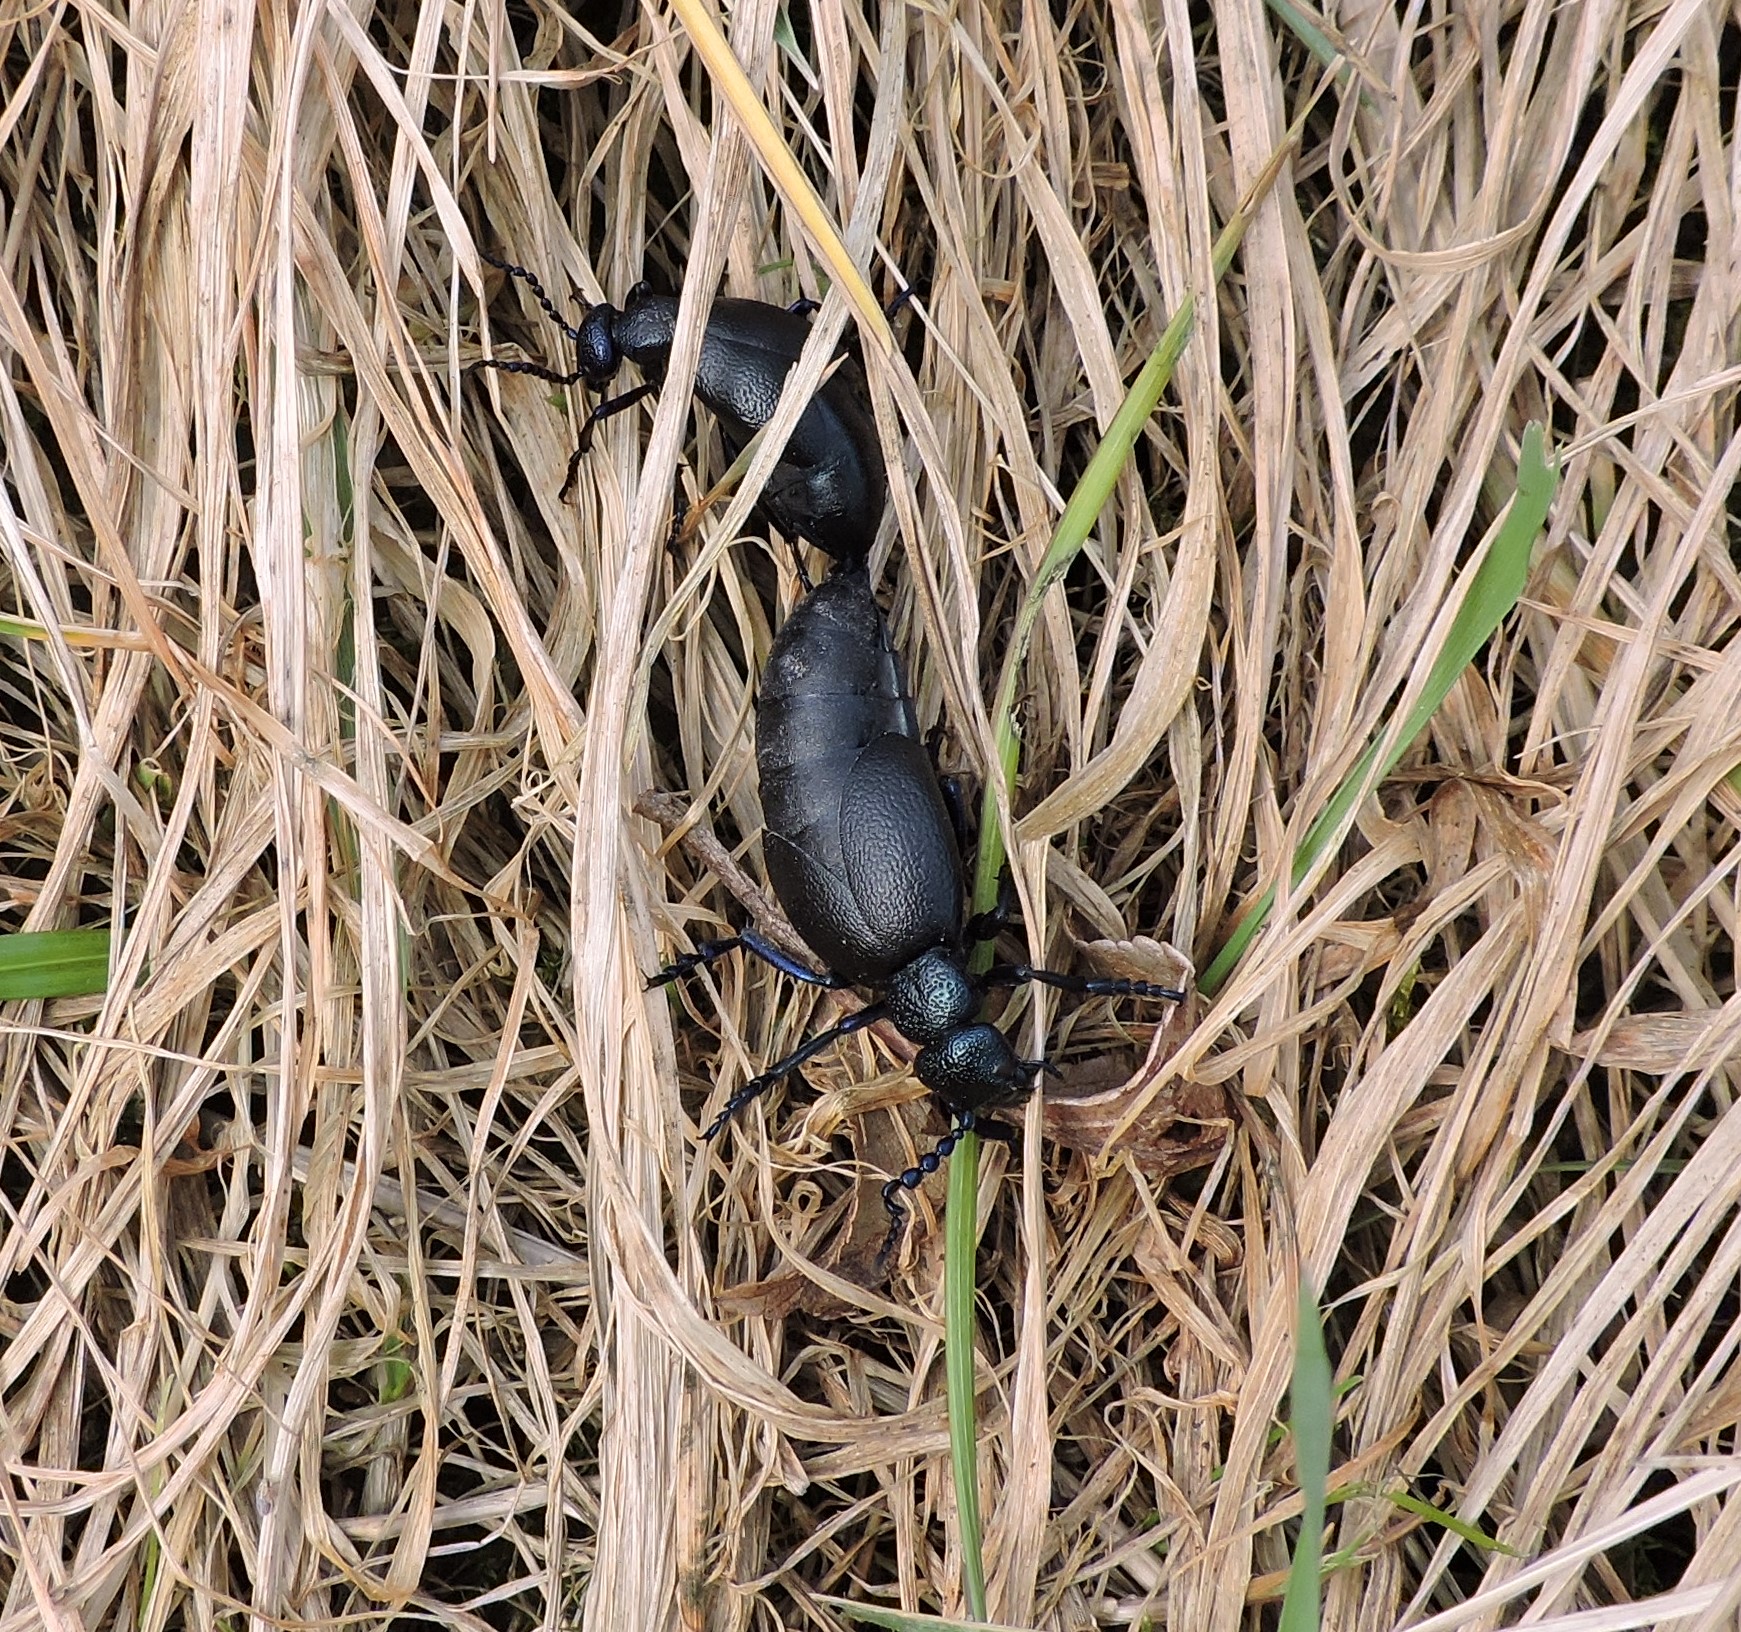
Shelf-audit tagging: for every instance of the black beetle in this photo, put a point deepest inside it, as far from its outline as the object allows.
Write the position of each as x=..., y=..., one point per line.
x=861, y=850
x=829, y=487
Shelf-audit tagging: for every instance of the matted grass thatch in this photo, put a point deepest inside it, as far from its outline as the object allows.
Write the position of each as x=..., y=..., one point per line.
x=358, y=1261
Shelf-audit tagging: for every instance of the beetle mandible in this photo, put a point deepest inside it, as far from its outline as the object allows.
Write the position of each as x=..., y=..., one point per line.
x=861, y=850
x=830, y=485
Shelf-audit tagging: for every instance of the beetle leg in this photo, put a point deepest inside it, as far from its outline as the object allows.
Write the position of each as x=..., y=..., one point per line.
x=915, y=1176
x=758, y=1086
x=903, y=295
x=987, y=926
x=1000, y=1131
x=614, y=406
x=564, y=492
x=711, y=951
x=788, y=965
x=674, y=533
x=537, y=289
x=1016, y=974
x=707, y=952
x=954, y=801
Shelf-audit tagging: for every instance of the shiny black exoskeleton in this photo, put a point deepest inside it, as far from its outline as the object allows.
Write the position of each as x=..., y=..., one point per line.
x=829, y=487
x=861, y=850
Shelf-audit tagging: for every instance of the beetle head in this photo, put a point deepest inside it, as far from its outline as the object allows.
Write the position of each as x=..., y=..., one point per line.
x=596, y=342
x=973, y=1067
x=931, y=996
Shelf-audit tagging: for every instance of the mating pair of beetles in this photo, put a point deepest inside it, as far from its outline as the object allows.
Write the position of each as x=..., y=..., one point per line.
x=859, y=841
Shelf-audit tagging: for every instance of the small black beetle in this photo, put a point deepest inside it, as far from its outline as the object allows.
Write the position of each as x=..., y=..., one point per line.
x=861, y=850
x=829, y=487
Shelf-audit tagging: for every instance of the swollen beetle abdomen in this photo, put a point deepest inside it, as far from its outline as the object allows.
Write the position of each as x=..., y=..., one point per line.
x=858, y=841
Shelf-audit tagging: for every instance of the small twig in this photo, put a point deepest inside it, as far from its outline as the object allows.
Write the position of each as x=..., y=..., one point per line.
x=673, y=813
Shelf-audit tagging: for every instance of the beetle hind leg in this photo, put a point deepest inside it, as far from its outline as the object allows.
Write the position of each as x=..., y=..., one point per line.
x=706, y=952
x=758, y=946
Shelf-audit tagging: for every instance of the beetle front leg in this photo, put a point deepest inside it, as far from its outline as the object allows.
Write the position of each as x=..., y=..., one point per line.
x=614, y=405
x=757, y=1086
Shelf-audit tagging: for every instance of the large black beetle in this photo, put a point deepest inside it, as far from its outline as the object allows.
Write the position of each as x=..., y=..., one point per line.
x=829, y=487
x=861, y=850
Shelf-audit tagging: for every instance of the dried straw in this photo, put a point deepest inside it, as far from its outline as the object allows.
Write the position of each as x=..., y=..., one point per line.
x=358, y=1259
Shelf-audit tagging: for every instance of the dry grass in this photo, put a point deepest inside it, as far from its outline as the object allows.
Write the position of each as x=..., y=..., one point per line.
x=358, y=1260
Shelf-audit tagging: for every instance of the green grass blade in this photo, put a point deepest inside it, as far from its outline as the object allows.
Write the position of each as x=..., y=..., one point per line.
x=1471, y=1533
x=54, y=963
x=1089, y=499
x=1493, y=590
x=960, y=1252
x=1311, y=1402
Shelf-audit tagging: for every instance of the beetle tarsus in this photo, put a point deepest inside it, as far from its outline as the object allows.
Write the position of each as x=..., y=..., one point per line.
x=903, y=297
x=570, y=476
x=706, y=952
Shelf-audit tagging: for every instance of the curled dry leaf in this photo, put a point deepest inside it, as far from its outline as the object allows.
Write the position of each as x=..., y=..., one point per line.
x=1451, y=823
x=1140, y=958
x=1181, y=1127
